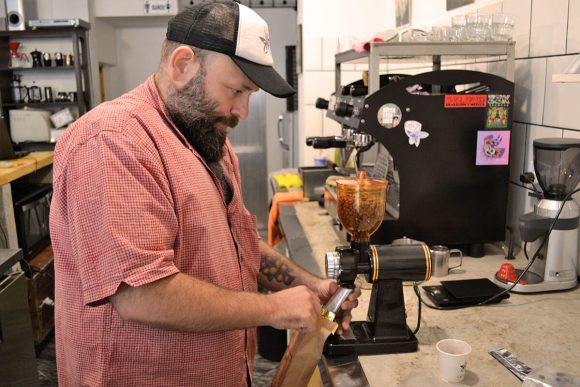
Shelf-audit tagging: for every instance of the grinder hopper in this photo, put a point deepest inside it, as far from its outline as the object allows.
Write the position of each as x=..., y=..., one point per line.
x=361, y=205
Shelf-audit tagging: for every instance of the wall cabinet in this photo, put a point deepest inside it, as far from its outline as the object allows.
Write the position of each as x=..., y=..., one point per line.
x=69, y=79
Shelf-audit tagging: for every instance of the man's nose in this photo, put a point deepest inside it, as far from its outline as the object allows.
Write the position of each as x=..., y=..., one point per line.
x=241, y=107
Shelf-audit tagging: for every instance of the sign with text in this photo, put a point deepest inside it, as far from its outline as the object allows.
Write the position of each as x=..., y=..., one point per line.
x=465, y=101
x=157, y=7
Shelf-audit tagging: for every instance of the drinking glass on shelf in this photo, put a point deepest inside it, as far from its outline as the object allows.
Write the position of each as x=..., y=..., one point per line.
x=478, y=27
x=502, y=27
x=446, y=33
x=419, y=35
x=436, y=34
x=346, y=43
x=458, y=32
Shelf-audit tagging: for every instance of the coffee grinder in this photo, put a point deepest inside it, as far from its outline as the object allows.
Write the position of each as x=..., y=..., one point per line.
x=361, y=209
x=557, y=166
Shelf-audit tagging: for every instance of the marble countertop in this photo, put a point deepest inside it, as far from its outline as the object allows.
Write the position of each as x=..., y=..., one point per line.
x=540, y=329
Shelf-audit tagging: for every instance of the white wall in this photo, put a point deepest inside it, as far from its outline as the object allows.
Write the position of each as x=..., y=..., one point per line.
x=138, y=50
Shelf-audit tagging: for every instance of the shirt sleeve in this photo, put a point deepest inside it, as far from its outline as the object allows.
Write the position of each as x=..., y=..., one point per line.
x=120, y=212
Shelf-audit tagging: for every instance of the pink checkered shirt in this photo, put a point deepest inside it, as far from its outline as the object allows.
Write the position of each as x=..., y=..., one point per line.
x=133, y=203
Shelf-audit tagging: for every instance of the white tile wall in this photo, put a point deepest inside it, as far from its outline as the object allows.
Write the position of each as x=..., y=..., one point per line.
x=311, y=53
x=530, y=80
x=317, y=84
x=491, y=9
x=481, y=67
x=573, y=41
x=350, y=76
x=548, y=27
x=329, y=48
x=498, y=68
x=522, y=11
x=313, y=125
x=330, y=127
x=561, y=105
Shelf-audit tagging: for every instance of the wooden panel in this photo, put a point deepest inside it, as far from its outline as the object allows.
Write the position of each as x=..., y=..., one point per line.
x=25, y=165
x=42, y=322
x=41, y=288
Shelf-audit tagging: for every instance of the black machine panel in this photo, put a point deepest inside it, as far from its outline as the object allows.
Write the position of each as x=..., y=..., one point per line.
x=451, y=150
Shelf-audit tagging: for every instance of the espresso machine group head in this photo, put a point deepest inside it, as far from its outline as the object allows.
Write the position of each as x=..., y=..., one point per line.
x=361, y=208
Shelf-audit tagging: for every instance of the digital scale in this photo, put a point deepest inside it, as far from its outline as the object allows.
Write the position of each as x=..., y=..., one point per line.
x=464, y=292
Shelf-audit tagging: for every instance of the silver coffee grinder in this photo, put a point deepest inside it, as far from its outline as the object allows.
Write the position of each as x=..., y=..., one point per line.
x=557, y=266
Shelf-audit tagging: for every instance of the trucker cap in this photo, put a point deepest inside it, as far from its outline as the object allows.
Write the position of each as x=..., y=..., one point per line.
x=235, y=30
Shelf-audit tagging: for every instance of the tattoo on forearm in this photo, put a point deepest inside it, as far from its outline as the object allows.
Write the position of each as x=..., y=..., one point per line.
x=273, y=268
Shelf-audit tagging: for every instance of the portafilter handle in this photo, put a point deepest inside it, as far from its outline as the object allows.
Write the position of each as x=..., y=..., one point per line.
x=333, y=305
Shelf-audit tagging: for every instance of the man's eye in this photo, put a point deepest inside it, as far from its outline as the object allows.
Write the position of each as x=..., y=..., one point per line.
x=235, y=91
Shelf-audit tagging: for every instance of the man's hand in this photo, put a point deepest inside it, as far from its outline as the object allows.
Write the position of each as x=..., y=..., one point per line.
x=325, y=289
x=295, y=308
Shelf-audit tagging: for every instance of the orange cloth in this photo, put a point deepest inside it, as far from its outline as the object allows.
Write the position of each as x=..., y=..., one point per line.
x=274, y=233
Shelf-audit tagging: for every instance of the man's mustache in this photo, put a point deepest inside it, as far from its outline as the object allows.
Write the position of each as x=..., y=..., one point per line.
x=230, y=122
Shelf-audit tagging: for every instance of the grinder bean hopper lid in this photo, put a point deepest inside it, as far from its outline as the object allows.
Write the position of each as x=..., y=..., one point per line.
x=361, y=204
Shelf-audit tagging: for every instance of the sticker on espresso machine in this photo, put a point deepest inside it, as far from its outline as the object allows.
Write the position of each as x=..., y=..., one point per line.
x=493, y=147
x=497, y=111
x=414, y=132
x=497, y=117
x=389, y=115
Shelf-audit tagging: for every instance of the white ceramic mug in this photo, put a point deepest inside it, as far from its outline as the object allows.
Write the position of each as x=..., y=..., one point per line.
x=440, y=256
x=453, y=356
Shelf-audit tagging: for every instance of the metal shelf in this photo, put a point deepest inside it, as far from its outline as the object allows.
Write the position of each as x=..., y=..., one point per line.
x=41, y=68
x=434, y=53
x=41, y=104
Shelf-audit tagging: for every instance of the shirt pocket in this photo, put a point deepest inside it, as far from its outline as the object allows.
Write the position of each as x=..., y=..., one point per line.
x=246, y=234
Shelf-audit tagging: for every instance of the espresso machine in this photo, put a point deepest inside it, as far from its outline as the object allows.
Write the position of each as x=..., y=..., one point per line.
x=443, y=140
x=361, y=209
x=557, y=265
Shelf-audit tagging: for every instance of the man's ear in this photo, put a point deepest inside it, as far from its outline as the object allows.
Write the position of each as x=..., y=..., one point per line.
x=182, y=66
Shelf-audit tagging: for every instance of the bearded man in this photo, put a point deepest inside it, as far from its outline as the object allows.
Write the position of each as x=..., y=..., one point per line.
x=157, y=260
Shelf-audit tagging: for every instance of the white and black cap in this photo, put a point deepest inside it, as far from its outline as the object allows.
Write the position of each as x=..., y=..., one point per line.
x=235, y=30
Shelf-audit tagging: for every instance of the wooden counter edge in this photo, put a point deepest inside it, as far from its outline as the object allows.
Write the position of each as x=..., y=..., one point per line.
x=25, y=165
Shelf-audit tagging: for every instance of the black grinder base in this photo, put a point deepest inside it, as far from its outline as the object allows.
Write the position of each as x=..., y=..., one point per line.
x=362, y=343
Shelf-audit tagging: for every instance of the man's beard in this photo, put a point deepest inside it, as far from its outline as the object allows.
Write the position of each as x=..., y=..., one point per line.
x=196, y=116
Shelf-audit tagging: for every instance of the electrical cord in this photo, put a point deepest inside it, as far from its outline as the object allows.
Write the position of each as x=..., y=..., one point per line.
x=418, y=309
x=533, y=189
x=523, y=273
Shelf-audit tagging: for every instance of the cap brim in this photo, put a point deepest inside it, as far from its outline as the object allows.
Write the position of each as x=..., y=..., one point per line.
x=265, y=77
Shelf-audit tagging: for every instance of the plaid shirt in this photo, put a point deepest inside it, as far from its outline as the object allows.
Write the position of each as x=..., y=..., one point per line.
x=133, y=203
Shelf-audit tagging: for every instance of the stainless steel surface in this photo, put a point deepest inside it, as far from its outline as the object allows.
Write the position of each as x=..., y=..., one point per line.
x=283, y=144
x=314, y=180
x=332, y=264
x=8, y=257
x=549, y=208
x=248, y=140
x=343, y=371
x=337, y=299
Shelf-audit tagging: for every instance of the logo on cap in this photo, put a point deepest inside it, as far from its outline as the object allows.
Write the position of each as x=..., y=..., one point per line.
x=266, y=41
